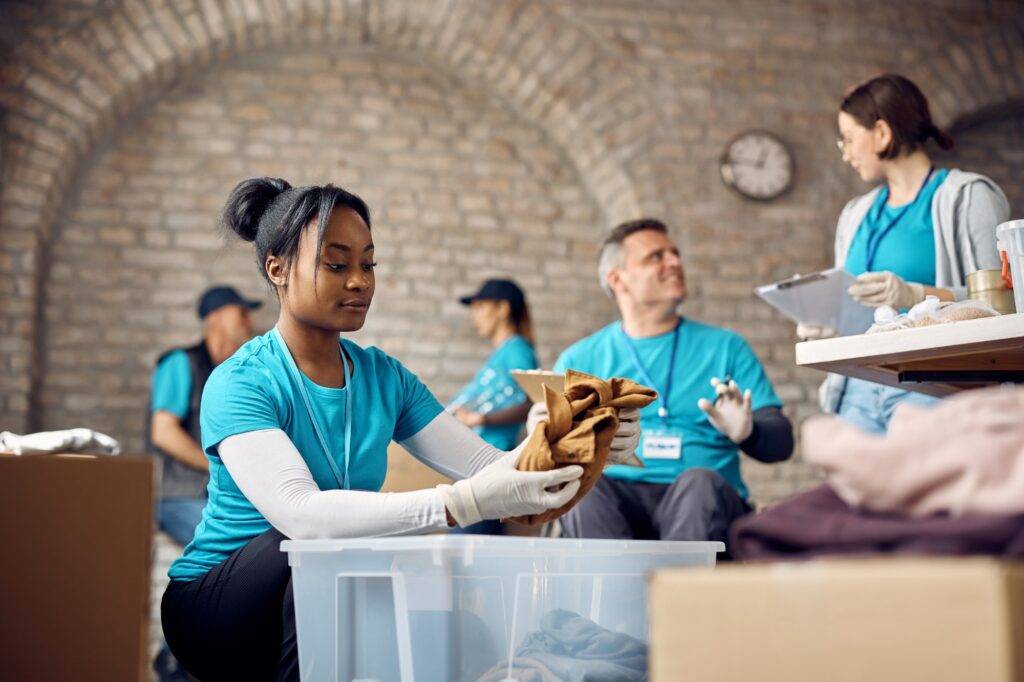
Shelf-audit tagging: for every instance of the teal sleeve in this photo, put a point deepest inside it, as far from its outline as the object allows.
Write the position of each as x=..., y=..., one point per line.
x=562, y=363
x=419, y=406
x=748, y=372
x=172, y=385
x=518, y=356
x=236, y=400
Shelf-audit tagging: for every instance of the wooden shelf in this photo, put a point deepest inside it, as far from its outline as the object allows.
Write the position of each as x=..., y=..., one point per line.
x=994, y=346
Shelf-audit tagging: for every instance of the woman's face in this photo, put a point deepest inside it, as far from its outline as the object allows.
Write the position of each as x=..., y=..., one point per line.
x=861, y=146
x=340, y=295
x=488, y=316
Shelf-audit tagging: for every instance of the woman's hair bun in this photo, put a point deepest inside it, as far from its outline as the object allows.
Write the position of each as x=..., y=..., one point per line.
x=249, y=200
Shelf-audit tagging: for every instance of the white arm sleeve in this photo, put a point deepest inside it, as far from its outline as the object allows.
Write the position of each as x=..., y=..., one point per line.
x=271, y=473
x=448, y=446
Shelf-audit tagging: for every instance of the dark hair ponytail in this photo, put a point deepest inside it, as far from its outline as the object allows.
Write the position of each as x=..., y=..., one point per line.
x=272, y=214
x=941, y=137
x=899, y=102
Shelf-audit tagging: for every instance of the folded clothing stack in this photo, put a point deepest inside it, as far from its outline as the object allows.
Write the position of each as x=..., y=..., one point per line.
x=944, y=480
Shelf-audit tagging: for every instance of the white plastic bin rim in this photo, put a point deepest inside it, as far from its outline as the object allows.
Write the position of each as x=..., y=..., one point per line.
x=500, y=545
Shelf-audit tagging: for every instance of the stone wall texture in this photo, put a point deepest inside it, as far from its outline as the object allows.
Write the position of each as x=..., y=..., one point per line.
x=490, y=138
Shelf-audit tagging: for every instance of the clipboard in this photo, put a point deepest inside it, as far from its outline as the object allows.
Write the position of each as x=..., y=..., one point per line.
x=820, y=298
x=532, y=382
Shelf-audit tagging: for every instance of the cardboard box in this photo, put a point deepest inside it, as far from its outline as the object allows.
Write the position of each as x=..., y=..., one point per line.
x=75, y=534
x=875, y=619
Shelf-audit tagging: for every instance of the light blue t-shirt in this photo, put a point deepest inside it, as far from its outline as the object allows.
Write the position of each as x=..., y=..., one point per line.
x=172, y=384
x=702, y=352
x=901, y=237
x=493, y=389
x=255, y=389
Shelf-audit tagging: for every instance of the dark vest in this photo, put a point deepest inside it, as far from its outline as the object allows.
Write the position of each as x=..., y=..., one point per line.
x=177, y=479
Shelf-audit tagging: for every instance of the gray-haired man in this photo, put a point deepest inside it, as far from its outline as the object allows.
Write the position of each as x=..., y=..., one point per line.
x=714, y=400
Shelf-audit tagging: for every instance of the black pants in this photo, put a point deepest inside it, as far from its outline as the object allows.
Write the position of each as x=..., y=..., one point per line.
x=237, y=622
x=698, y=505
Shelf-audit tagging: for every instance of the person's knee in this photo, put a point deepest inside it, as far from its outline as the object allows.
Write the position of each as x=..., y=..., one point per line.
x=699, y=480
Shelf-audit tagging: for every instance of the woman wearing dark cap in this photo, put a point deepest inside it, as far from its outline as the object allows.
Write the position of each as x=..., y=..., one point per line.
x=492, y=403
x=918, y=233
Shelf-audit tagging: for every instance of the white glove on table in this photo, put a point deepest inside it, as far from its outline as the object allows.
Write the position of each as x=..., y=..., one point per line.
x=731, y=413
x=624, y=443
x=500, y=491
x=876, y=289
x=69, y=440
x=814, y=332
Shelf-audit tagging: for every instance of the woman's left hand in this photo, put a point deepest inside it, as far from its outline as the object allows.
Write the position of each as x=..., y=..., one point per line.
x=470, y=419
x=876, y=289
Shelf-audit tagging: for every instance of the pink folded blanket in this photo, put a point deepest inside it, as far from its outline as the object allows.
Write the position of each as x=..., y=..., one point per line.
x=963, y=456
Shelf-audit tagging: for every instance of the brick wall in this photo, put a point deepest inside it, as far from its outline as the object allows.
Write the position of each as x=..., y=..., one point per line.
x=489, y=138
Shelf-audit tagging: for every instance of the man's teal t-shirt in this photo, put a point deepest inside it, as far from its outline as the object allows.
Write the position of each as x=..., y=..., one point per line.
x=902, y=237
x=172, y=384
x=493, y=389
x=703, y=352
x=255, y=389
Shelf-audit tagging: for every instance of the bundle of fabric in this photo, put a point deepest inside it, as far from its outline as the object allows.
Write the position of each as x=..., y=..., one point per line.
x=818, y=523
x=963, y=456
x=571, y=648
x=943, y=480
x=579, y=430
x=84, y=441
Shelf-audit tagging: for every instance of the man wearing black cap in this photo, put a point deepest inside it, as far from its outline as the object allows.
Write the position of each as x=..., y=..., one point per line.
x=173, y=419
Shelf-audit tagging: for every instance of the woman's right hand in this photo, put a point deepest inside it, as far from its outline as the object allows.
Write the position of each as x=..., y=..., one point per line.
x=500, y=491
x=814, y=332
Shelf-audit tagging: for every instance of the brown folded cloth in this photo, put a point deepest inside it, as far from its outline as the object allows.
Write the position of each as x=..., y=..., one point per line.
x=579, y=430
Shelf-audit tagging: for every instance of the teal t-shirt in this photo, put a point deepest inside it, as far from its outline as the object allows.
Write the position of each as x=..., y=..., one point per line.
x=172, y=384
x=900, y=239
x=493, y=389
x=255, y=389
x=702, y=352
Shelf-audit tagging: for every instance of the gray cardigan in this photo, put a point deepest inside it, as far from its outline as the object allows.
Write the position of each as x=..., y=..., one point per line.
x=966, y=209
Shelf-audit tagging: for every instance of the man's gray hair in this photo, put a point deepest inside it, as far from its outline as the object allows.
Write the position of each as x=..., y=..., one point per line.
x=610, y=255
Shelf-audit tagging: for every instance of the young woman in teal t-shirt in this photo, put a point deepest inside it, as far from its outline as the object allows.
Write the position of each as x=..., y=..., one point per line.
x=296, y=425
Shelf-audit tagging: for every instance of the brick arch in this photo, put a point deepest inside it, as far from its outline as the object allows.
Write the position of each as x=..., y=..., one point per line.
x=965, y=79
x=66, y=95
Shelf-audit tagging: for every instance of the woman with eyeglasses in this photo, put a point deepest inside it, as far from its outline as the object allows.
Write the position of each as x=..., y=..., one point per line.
x=918, y=233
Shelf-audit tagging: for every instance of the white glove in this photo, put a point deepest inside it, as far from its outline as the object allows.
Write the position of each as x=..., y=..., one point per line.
x=624, y=443
x=814, y=332
x=731, y=413
x=69, y=440
x=538, y=413
x=500, y=491
x=876, y=289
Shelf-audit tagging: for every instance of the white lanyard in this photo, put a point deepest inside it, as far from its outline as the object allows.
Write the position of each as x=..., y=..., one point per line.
x=342, y=479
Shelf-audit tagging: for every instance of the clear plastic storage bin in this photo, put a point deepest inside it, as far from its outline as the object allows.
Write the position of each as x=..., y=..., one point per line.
x=467, y=608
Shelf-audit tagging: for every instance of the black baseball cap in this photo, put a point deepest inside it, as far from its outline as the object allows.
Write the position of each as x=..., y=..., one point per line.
x=498, y=290
x=220, y=296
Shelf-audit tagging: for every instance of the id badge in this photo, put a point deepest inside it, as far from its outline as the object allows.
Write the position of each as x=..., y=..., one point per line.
x=662, y=445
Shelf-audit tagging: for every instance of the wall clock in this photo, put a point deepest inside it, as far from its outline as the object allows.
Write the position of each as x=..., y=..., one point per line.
x=758, y=165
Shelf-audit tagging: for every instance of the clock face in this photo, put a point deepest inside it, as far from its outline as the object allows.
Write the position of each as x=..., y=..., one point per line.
x=758, y=165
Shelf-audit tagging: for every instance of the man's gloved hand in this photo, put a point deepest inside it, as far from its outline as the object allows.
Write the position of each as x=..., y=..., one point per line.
x=876, y=289
x=814, y=332
x=627, y=438
x=731, y=413
x=500, y=491
x=624, y=444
